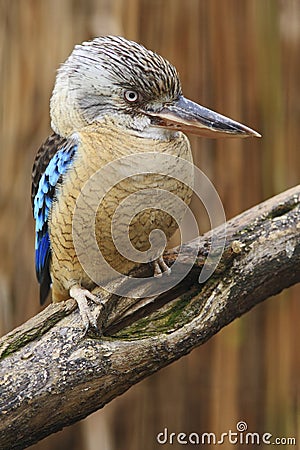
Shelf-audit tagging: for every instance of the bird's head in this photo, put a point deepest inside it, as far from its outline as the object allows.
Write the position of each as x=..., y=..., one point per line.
x=113, y=78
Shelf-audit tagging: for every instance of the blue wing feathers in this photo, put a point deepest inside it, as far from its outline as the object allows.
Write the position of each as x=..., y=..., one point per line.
x=42, y=203
x=41, y=254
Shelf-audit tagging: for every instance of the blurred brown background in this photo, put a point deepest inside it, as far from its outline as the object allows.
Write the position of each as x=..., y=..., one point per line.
x=238, y=57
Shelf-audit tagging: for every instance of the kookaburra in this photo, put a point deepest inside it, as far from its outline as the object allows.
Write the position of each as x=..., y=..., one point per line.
x=112, y=97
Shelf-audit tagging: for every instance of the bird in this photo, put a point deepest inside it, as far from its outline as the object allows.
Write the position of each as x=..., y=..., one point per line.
x=112, y=97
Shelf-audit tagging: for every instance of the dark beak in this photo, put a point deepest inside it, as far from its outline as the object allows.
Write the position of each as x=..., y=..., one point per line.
x=187, y=116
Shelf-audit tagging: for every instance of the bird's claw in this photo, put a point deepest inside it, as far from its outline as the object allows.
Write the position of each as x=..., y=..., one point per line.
x=81, y=295
x=160, y=267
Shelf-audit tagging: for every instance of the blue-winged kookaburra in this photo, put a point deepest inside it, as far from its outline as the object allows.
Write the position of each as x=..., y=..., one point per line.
x=112, y=98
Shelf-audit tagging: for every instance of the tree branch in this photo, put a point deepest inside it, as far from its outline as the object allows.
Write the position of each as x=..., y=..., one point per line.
x=52, y=376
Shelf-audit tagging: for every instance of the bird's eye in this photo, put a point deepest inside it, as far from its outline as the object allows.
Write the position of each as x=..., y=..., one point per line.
x=131, y=96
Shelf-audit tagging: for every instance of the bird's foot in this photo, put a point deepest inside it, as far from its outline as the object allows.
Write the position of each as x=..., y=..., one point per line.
x=160, y=267
x=81, y=296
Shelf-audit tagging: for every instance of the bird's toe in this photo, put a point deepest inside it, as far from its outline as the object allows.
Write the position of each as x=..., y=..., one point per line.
x=81, y=295
x=160, y=267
